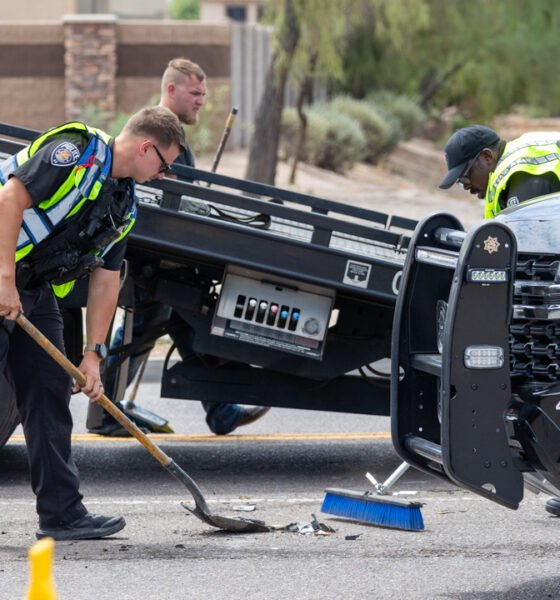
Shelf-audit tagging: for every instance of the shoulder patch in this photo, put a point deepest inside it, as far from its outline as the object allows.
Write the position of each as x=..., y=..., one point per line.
x=64, y=155
x=513, y=201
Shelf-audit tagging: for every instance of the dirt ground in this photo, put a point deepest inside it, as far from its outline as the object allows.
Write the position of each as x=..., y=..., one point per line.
x=405, y=184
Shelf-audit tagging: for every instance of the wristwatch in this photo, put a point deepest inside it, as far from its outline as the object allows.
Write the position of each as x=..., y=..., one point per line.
x=99, y=349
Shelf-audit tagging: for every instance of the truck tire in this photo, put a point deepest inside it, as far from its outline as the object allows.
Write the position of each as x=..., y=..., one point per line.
x=9, y=417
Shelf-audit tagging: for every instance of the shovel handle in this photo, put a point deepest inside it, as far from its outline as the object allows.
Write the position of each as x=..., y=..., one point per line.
x=80, y=378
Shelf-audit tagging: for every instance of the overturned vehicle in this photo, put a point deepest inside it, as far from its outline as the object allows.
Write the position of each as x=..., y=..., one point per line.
x=475, y=376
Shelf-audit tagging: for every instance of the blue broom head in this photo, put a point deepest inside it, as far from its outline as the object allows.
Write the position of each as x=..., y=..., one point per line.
x=374, y=509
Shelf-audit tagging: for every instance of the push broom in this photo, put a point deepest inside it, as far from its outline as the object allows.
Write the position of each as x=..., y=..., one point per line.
x=201, y=510
x=376, y=508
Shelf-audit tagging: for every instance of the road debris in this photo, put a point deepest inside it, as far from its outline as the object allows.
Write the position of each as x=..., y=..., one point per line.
x=244, y=507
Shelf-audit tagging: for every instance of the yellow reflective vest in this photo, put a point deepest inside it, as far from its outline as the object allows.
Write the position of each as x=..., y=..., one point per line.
x=532, y=153
x=83, y=184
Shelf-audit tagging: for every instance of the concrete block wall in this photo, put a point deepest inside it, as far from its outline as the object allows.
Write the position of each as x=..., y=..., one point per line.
x=32, y=92
x=50, y=71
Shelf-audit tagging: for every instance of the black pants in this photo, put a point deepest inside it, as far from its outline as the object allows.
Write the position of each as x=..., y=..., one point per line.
x=43, y=398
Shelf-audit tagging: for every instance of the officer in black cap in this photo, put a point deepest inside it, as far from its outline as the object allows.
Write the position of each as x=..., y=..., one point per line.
x=463, y=153
x=505, y=174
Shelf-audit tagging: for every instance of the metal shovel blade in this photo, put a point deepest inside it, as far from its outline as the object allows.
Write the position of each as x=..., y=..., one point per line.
x=231, y=524
x=201, y=510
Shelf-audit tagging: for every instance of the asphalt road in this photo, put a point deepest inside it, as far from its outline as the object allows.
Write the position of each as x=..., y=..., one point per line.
x=470, y=549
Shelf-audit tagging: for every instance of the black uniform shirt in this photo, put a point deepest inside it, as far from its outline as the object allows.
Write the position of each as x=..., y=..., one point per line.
x=523, y=186
x=47, y=170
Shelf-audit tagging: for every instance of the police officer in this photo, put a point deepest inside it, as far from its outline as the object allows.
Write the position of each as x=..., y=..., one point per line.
x=504, y=174
x=66, y=204
x=183, y=91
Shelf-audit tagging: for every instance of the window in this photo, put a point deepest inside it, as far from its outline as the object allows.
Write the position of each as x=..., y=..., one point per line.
x=236, y=13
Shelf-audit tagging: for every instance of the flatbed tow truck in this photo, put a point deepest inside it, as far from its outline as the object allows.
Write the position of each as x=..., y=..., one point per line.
x=288, y=299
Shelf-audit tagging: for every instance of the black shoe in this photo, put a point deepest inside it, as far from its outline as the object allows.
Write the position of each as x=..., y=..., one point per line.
x=89, y=527
x=113, y=430
x=252, y=414
x=553, y=506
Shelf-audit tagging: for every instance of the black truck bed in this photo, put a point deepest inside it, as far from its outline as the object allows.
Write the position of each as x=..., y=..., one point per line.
x=313, y=248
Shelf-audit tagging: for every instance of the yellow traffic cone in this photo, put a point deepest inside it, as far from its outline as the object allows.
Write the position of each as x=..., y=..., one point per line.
x=41, y=582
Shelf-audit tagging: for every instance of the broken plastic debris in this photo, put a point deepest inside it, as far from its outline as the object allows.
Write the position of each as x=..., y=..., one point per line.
x=303, y=528
x=313, y=527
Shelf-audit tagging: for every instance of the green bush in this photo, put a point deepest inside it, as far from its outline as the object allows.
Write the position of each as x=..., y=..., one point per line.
x=333, y=141
x=402, y=108
x=289, y=134
x=314, y=136
x=343, y=143
x=184, y=9
x=381, y=134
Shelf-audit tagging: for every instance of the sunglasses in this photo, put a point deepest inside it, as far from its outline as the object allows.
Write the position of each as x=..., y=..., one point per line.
x=464, y=178
x=165, y=166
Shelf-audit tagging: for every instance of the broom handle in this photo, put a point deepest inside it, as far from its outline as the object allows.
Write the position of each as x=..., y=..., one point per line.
x=74, y=372
x=225, y=135
x=395, y=476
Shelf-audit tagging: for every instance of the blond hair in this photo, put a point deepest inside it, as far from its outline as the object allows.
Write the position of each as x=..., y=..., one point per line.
x=178, y=68
x=159, y=124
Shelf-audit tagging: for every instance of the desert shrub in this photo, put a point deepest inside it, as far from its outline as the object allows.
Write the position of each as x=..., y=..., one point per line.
x=402, y=108
x=343, y=143
x=314, y=136
x=333, y=141
x=381, y=133
x=289, y=134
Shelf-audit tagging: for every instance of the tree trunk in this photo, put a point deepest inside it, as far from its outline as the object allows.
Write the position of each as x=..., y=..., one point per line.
x=434, y=85
x=305, y=93
x=268, y=121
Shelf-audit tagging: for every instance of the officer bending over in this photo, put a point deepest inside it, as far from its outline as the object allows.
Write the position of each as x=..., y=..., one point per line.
x=504, y=174
x=66, y=204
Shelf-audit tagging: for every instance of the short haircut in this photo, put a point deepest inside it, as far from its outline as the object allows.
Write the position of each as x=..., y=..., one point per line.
x=158, y=123
x=177, y=68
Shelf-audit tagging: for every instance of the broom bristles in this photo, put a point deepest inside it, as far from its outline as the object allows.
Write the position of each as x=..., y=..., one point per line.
x=374, y=509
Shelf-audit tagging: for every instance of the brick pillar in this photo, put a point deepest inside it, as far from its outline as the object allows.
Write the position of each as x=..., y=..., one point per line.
x=90, y=44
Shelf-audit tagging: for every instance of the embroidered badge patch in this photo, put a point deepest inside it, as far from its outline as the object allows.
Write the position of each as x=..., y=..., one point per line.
x=65, y=154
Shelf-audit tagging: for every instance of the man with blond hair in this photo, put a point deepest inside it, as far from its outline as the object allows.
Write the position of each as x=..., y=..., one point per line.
x=183, y=91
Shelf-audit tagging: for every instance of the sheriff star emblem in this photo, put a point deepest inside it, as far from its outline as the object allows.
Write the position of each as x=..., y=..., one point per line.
x=491, y=244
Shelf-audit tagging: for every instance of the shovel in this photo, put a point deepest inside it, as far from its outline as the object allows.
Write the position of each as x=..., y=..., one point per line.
x=201, y=510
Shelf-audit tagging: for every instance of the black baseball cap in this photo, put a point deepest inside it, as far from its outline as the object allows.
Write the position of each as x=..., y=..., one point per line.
x=463, y=146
